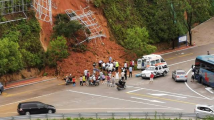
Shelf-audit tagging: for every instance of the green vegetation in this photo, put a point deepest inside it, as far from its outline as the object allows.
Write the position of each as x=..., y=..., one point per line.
x=164, y=20
x=56, y=51
x=20, y=45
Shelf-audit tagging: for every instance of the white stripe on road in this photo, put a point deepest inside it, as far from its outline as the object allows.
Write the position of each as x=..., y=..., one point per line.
x=29, y=99
x=197, y=92
x=166, y=95
x=134, y=90
x=123, y=99
x=147, y=100
x=181, y=62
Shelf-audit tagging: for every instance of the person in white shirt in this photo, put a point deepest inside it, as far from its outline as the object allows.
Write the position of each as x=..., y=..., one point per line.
x=122, y=75
x=125, y=65
x=104, y=66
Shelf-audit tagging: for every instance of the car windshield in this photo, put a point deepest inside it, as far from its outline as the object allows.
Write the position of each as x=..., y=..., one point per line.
x=180, y=73
x=153, y=62
x=150, y=68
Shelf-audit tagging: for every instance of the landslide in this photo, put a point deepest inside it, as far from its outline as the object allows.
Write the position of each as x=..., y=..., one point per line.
x=77, y=62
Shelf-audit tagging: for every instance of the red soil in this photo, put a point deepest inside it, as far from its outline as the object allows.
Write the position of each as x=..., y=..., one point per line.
x=76, y=63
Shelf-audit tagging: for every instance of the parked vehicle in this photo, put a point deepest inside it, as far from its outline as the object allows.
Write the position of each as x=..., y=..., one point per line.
x=89, y=83
x=179, y=75
x=1, y=88
x=204, y=111
x=121, y=85
x=27, y=108
x=204, y=69
x=149, y=60
x=158, y=70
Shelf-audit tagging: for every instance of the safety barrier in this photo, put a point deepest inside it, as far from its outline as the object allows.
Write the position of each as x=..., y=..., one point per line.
x=115, y=115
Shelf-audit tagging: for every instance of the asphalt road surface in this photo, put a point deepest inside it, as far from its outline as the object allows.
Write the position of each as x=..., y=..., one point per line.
x=163, y=95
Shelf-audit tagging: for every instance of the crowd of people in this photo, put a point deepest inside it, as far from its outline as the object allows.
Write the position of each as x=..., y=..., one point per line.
x=108, y=71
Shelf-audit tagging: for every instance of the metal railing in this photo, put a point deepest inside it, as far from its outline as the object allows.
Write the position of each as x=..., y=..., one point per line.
x=115, y=115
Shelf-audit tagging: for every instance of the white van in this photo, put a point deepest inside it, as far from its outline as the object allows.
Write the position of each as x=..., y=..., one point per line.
x=149, y=60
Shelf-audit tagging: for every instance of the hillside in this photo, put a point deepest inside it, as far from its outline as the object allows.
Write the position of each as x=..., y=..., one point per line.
x=76, y=63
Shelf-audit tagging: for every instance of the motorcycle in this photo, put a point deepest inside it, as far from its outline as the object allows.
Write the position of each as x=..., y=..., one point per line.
x=121, y=86
x=94, y=83
x=68, y=81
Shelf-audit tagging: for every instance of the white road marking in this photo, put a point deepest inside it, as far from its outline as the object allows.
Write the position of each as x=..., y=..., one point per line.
x=123, y=99
x=209, y=89
x=181, y=62
x=171, y=93
x=147, y=100
x=189, y=71
x=134, y=90
x=29, y=99
x=197, y=92
x=166, y=95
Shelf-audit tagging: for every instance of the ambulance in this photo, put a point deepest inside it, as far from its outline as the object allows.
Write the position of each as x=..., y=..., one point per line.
x=149, y=60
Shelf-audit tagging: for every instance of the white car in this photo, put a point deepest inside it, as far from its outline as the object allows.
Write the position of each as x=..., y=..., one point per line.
x=204, y=111
x=158, y=70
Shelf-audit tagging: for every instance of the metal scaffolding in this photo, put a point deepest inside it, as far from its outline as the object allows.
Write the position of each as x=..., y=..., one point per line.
x=87, y=18
x=12, y=7
x=44, y=9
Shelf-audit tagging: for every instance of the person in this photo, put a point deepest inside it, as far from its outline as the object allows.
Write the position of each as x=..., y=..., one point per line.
x=116, y=65
x=103, y=78
x=81, y=81
x=125, y=71
x=121, y=83
x=208, y=52
x=108, y=81
x=122, y=75
x=100, y=64
x=85, y=73
x=74, y=81
x=110, y=58
x=132, y=64
x=94, y=64
x=125, y=65
x=88, y=75
x=192, y=77
x=117, y=77
x=103, y=66
x=94, y=79
x=70, y=77
x=112, y=81
x=151, y=77
x=130, y=71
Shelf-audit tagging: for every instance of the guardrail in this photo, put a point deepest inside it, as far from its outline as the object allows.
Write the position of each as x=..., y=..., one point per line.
x=115, y=115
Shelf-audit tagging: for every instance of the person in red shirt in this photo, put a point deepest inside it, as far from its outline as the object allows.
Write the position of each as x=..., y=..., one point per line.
x=73, y=81
x=151, y=78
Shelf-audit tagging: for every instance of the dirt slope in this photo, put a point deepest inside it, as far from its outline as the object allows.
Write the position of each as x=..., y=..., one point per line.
x=76, y=63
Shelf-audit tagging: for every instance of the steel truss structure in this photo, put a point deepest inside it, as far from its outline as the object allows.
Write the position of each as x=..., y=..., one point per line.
x=12, y=7
x=44, y=9
x=87, y=18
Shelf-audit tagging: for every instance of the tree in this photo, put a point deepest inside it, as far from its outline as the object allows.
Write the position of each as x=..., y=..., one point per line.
x=10, y=57
x=57, y=51
x=194, y=11
x=137, y=40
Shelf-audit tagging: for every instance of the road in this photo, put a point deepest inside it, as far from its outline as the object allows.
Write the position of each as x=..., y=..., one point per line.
x=163, y=95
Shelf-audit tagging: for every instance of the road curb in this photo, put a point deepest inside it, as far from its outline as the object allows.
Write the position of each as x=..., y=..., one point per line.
x=30, y=83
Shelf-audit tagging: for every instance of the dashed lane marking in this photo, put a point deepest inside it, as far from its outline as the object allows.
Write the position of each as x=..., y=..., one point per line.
x=123, y=99
x=149, y=96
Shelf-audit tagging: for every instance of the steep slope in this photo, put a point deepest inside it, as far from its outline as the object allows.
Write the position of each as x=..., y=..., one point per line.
x=76, y=63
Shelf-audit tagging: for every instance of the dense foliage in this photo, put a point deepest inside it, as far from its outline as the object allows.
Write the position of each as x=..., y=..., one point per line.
x=164, y=20
x=57, y=51
x=20, y=45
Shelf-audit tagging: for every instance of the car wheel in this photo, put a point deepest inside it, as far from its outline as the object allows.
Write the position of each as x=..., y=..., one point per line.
x=27, y=113
x=50, y=111
x=142, y=77
x=200, y=81
x=164, y=73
